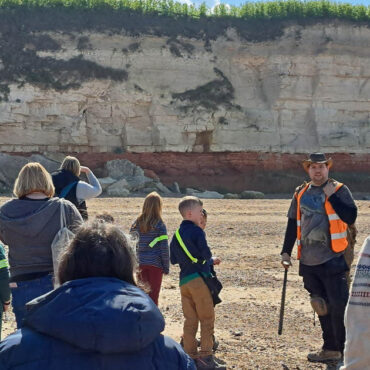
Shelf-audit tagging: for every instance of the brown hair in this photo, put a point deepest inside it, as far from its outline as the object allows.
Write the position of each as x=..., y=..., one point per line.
x=204, y=213
x=105, y=217
x=189, y=202
x=71, y=164
x=98, y=249
x=151, y=213
x=33, y=178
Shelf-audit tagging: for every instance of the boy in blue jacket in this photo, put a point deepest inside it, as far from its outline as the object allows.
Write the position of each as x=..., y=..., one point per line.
x=190, y=250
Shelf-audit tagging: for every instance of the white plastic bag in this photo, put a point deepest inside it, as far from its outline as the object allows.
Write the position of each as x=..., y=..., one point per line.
x=60, y=241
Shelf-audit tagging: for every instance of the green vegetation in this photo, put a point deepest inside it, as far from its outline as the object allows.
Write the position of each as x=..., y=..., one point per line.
x=278, y=9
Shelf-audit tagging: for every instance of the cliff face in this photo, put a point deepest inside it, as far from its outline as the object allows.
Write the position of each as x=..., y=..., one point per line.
x=86, y=88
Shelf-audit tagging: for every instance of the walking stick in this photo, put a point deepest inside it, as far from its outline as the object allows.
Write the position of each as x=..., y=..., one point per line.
x=282, y=304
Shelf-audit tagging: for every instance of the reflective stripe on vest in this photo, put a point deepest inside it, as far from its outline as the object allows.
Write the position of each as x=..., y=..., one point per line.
x=337, y=228
x=157, y=240
x=3, y=264
x=183, y=246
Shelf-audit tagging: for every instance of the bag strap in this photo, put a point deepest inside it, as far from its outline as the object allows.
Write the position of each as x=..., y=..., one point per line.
x=63, y=220
x=67, y=189
x=186, y=250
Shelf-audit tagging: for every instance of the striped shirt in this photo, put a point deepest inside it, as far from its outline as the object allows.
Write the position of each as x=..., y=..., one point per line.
x=152, y=249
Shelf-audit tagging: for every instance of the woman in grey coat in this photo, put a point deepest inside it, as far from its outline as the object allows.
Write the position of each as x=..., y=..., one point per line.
x=28, y=225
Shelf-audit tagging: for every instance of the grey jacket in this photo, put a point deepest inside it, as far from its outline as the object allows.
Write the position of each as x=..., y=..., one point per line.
x=28, y=227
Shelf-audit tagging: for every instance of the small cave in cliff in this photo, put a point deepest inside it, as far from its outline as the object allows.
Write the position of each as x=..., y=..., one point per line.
x=204, y=139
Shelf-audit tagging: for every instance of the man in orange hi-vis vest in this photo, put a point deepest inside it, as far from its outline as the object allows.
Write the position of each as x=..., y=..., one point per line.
x=318, y=218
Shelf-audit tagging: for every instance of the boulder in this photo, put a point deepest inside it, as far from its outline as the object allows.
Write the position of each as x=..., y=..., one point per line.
x=49, y=164
x=151, y=174
x=135, y=183
x=191, y=191
x=210, y=195
x=4, y=189
x=54, y=156
x=10, y=165
x=162, y=189
x=250, y=194
x=118, y=189
x=148, y=190
x=122, y=168
x=105, y=182
x=175, y=188
x=231, y=196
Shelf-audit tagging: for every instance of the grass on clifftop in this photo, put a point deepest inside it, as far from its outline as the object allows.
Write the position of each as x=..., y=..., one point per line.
x=278, y=9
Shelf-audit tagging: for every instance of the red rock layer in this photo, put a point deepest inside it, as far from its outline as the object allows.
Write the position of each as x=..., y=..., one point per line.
x=238, y=171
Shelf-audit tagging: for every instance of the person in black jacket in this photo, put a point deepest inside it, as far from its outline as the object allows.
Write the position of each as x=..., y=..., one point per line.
x=318, y=219
x=69, y=186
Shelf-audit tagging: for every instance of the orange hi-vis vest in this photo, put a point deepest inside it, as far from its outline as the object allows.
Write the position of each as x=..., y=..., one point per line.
x=337, y=228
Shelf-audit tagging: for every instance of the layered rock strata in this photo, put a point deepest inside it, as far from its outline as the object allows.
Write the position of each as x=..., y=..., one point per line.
x=225, y=94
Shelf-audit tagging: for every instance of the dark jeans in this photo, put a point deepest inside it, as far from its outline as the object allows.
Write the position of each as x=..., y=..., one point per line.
x=329, y=282
x=25, y=292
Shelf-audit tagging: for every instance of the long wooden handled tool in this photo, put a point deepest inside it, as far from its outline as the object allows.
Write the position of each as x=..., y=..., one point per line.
x=282, y=304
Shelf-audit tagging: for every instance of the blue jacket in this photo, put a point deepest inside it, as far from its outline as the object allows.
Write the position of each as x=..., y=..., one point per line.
x=195, y=241
x=93, y=324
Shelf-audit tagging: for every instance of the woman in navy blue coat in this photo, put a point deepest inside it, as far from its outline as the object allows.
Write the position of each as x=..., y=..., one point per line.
x=98, y=319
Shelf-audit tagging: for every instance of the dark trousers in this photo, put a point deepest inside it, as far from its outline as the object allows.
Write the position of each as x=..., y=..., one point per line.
x=153, y=277
x=329, y=282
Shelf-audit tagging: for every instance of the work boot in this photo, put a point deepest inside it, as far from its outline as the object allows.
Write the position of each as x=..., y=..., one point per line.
x=324, y=355
x=209, y=363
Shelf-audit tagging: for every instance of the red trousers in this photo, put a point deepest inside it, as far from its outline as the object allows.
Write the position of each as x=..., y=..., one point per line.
x=153, y=277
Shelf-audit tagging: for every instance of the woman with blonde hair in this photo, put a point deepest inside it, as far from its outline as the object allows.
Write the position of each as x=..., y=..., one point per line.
x=153, y=251
x=69, y=186
x=28, y=225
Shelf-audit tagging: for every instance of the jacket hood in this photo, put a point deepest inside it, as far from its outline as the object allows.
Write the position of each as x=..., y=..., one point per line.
x=27, y=217
x=104, y=315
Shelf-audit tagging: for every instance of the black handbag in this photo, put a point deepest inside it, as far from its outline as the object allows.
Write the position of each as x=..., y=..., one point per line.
x=214, y=285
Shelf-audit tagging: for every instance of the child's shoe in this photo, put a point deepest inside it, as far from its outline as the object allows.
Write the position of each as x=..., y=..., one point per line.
x=215, y=344
x=198, y=342
x=209, y=363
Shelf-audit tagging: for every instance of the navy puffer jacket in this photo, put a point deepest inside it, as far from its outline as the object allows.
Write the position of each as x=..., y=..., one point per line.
x=93, y=324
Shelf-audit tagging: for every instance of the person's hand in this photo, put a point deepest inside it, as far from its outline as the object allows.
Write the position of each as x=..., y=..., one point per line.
x=329, y=189
x=286, y=260
x=6, y=306
x=84, y=169
x=216, y=260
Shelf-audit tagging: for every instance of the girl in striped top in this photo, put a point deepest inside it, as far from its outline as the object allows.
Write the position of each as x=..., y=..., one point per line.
x=153, y=251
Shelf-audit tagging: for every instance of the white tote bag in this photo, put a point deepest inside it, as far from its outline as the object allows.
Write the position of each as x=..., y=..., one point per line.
x=60, y=241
